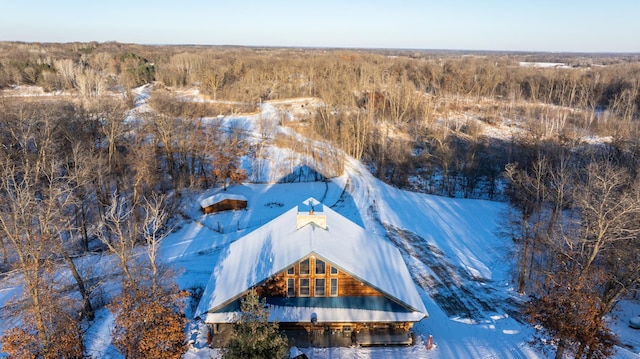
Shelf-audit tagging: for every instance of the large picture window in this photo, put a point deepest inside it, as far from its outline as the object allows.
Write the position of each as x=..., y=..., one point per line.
x=333, y=287
x=320, y=266
x=304, y=267
x=304, y=287
x=291, y=287
x=319, y=287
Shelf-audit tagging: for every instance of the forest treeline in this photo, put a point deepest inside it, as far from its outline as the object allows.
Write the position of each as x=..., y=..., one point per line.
x=417, y=117
x=82, y=174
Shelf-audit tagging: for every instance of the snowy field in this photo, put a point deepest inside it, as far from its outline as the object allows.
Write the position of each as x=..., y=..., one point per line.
x=461, y=267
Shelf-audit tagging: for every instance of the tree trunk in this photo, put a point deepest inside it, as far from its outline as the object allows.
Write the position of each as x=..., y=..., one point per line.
x=5, y=259
x=87, y=308
x=560, y=351
x=83, y=226
x=523, y=266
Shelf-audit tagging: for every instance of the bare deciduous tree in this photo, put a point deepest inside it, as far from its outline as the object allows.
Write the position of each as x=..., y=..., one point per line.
x=120, y=233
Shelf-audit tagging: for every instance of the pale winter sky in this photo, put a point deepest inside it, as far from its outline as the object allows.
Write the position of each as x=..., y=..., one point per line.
x=525, y=25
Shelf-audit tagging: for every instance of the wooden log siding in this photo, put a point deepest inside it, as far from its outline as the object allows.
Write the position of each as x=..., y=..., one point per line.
x=347, y=285
x=225, y=205
x=352, y=326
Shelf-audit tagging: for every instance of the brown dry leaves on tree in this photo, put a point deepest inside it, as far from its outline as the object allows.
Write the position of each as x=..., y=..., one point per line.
x=62, y=335
x=149, y=324
x=568, y=312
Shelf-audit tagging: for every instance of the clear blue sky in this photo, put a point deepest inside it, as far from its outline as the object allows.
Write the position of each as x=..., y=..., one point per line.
x=527, y=25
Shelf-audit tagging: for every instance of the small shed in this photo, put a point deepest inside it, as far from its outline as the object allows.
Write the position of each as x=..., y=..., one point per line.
x=223, y=202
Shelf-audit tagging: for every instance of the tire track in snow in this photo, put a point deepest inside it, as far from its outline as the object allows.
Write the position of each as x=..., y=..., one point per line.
x=343, y=195
x=457, y=292
x=445, y=283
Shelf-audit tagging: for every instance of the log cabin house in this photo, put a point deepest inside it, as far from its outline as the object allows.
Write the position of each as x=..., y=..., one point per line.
x=222, y=202
x=321, y=275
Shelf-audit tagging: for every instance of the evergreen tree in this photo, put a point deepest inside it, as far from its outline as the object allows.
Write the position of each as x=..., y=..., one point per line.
x=252, y=335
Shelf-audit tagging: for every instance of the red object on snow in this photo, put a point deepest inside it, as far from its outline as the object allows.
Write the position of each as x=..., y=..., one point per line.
x=430, y=342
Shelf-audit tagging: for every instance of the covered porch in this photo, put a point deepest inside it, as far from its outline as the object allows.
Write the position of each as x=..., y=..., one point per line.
x=327, y=336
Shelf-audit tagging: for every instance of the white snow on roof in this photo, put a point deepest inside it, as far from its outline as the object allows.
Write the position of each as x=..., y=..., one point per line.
x=219, y=197
x=333, y=315
x=277, y=245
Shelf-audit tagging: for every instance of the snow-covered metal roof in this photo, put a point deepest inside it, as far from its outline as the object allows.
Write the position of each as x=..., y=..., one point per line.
x=277, y=245
x=219, y=197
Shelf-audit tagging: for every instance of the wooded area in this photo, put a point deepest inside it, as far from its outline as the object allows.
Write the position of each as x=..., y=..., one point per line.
x=80, y=176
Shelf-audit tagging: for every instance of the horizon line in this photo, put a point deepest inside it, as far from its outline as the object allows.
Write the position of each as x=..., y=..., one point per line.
x=315, y=47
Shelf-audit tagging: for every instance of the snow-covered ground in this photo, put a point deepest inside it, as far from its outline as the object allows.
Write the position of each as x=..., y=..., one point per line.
x=557, y=65
x=461, y=267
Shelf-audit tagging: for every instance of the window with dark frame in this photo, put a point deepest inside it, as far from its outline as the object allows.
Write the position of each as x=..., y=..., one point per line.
x=320, y=266
x=291, y=287
x=304, y=267
x=319, y=290
x=304, y=287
